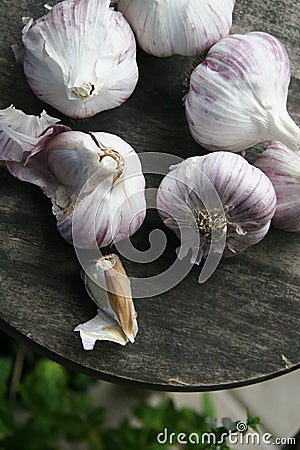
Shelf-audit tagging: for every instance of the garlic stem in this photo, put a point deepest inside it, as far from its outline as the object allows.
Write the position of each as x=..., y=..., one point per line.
x=119, y=159
x=84, y=91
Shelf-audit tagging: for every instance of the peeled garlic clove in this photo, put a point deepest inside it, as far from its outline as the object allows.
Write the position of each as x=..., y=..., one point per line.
x=94, y=180
x=80, y=57
x=282, y=166
x=237, y=96
x=109, y=287
x=168, y=27
x=185, y=201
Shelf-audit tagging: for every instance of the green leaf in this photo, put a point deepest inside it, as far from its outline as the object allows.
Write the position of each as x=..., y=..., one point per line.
x=252, y=422
x=80, y=382
x=163, y=415
x=6, y=363
x=96, y=416
x=208, y=409
x=44, y=389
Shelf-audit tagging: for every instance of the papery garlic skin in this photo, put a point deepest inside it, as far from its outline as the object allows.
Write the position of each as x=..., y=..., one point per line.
x=183, y=27
x=238, y=94
x=19, y=132
x=282, y=166
x=95, y=181
x=80, y=57
x=109, y=287
x=100, y=328
x=246, y=193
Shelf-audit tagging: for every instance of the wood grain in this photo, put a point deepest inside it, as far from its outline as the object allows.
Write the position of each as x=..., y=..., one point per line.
x=231, y=331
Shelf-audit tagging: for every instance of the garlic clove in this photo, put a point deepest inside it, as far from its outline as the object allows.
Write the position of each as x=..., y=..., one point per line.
x=119, y=293
x=238, y=94
x=19, y=132
x=282, y=166
x=109, y=287
x=80, y=57
x=168, y=27
x=246, y=197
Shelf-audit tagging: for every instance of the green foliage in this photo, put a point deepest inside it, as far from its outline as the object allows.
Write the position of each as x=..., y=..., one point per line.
x=56, y=406
x=6, y=417
x=252, y=422
x=55, y=411
x=154, y=420
x=208, y=407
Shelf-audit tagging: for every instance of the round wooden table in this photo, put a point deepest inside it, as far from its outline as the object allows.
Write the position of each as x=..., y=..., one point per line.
x=240, y=327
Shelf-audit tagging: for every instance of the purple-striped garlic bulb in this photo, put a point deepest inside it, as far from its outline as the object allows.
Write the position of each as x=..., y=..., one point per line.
x=170, y=27
x=227, y=201
x=94, y=180
x=80, y=57
x=282, y=166
x=238, y=94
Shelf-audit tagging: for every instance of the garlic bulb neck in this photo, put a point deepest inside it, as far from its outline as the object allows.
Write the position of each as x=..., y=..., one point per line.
x=107, y=262
x=84, y=91
x=110, y=152
x=286, y=131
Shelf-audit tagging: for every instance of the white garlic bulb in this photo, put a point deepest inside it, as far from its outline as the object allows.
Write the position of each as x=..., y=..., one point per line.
x=109, y=287
x=238, y=94
x=183, y=27
x=282, y=166
x=94, y=180
x=247, y=200
x=80, y=57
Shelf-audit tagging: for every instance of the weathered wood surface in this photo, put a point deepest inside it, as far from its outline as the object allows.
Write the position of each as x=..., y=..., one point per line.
x=231, y=331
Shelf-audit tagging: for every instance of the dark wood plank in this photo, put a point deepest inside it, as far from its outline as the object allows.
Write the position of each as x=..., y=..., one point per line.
x=231, y=331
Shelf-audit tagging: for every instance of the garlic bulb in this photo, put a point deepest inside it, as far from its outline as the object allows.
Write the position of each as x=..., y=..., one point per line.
x=94, y=180
x=80, y=57
x=282, y=166
x=109, y=287
x=186, y=201
x=238, y=95
x=183, y=27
